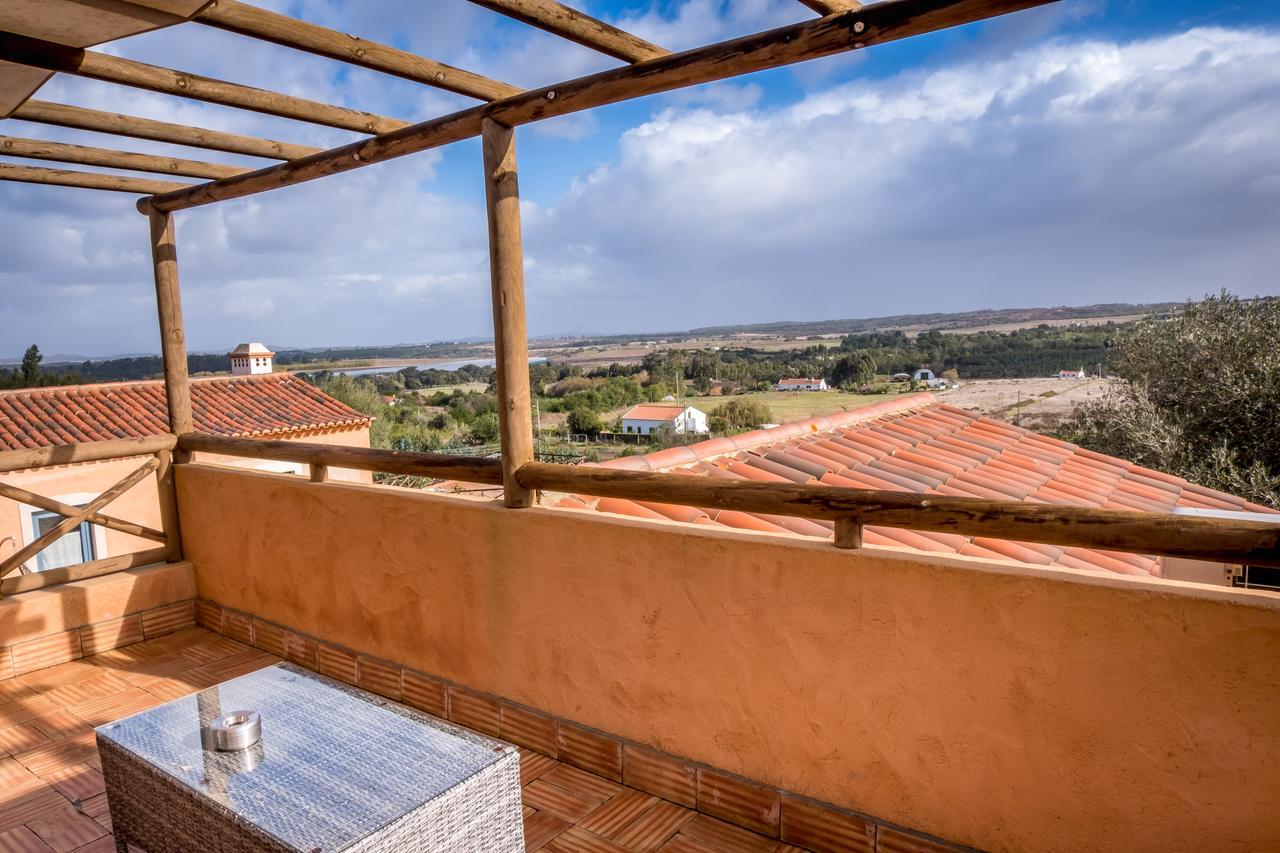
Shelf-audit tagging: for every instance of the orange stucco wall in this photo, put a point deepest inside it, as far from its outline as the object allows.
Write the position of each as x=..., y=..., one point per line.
x=1001, y=707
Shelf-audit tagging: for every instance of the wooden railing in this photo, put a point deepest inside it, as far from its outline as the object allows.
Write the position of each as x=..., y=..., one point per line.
x=1214, y=539
x=159, y=448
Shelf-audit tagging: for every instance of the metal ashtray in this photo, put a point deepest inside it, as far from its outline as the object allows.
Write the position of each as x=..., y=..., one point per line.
x=235, y=731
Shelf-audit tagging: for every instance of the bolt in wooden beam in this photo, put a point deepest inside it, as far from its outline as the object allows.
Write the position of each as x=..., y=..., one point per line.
x=39, y=149
x=87, y=180
x=578, y=27
x=113, y=69
x=290, y=32
x=82, y=118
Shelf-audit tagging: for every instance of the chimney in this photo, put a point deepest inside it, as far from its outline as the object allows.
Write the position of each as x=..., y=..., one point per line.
x=251, y=360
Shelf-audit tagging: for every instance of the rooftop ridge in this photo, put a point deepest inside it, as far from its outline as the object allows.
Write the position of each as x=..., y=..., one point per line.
x=712, y=448
x=122, y=383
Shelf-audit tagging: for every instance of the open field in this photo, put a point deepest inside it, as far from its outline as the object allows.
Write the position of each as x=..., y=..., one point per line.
x=1037, y=404
x=788, y=406
x=476, y=387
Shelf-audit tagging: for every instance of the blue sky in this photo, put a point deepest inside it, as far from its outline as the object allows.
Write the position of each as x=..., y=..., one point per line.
x=1087, y=151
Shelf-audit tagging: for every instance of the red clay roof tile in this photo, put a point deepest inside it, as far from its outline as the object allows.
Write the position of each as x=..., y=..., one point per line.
x=276, y=404
x=912, y=444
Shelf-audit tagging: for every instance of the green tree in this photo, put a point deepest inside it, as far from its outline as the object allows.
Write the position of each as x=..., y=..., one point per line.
x=1200, y=397
x=854, y=370
x=484, y=429
x=739, y=414
x=31, y=366
x=583, y=421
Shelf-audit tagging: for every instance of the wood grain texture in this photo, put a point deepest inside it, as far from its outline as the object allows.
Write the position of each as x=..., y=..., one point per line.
x=1218, y=540
x=81, y=571
x=173, y=336
x=87, y=180
x=87, y=451
x=881, y=23
x=832, y=7
x=510, y=339
x=14, y=493
x=82, y=118
x=113, y=69
x=290, y=32
x=39, y=149
x=576, y=26
x=436, y=465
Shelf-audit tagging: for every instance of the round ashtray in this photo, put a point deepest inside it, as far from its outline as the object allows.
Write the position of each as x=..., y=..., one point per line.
x=235, y=731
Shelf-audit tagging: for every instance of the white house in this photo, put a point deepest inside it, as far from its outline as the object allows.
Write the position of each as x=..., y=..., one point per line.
x=1072, y=374
x=801, y=385
x=251, y=360
x=926, y=376
x=649, y=419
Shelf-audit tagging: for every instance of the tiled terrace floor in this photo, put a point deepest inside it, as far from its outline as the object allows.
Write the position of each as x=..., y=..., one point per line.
x=52, y=795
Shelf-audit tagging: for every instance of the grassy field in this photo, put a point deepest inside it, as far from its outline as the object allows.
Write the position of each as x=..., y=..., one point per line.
x=465, y=386
x=789, y=406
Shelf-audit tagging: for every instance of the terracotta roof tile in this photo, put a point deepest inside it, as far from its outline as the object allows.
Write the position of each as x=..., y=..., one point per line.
x=914, y=444
x=276, y=404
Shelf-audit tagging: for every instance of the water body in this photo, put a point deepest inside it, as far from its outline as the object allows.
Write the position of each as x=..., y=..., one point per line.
x=425, y=365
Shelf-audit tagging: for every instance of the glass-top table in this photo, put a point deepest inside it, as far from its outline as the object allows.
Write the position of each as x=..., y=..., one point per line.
x=336, y=769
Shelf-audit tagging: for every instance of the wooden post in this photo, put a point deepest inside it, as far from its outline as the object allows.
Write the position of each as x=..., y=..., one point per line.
x=319, y=473
x=510, y=344
x=848, y=533
x=177, y=384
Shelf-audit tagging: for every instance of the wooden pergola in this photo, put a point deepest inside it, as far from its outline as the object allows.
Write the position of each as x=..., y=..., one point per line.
x=40, y=39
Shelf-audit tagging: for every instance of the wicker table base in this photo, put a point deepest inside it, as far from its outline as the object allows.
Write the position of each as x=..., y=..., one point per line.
x=337, y=769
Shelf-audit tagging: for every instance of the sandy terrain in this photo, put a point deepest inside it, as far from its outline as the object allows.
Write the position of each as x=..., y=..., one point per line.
x=1038, y=404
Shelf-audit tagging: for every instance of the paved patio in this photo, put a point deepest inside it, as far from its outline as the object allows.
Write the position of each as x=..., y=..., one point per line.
x=52, y=796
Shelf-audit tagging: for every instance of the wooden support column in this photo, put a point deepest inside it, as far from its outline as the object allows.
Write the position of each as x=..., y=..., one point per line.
x=510, y=343
x=177, y=383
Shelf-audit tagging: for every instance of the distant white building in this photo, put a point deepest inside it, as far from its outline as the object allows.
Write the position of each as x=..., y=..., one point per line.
x=649, y=419
x=801, y=385
x=251, y=360
x=1073, y=374
x=926, y=376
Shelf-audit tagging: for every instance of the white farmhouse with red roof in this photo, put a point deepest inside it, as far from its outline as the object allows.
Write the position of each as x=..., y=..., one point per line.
x=651, y=419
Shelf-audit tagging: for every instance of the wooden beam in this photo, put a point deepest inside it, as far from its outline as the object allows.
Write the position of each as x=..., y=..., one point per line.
x=832, y=7
x=38, y=149
x=173, y=336
x=113, y=69
x=300, y=35
x=82, y=118
x=167, y=495
x=876, y=24
x=88, y=451
x=80, y=571
x=15, y=493
x=1214, y=539
x=510, y=340
x=434, y=465
x=848, y=533
x=77, y=518
x=87, y=180
x=319, y=473
x=574, y=25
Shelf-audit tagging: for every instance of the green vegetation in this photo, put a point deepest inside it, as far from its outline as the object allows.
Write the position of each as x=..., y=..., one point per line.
x=1202, y=398
x=30, y=375
x=738, y=415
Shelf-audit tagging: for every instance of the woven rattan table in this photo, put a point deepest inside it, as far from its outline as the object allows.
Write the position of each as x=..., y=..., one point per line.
x=336, y=769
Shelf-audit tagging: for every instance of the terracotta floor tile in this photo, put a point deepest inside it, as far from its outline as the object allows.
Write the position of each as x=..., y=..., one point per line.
x=337, y=663
x=105, y=710
x=473, y=711
x=654, y=827
x=22, y=840
x=590, y=751
x=13, y=688
x=76, y=749
x=581, y=782
x=740, y=802
x=105, y=636
x=269, y=638
x=18, y=808
x=555, y=800
x=533, y=765
x=719, y=835
x=540, y=828
x=378, y=676
x=425, y=694
x=168, y=619
x=810, y=825
x=105, y=844
x=24, y=710
x=527, y=728
x=578, y=840
x=66, y=830
x=684, y=844
x=45, y=652
x=86, y=689
x=892, y=841
x=59, y=724
x=96, y=806
x=660, y=775
x=615, y=814
x=16, y=779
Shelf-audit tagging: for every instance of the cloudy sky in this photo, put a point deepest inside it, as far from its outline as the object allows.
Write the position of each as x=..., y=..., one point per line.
x=1090, y=151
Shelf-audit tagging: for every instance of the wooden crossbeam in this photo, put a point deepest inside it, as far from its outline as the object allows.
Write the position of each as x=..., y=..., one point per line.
x=280, y=29
x=87, y=180
x=571, y=24
x=14, y=493
x=78, y=517
x=83, y=118
x=80, y=571
x=832, y=7
x=880, y=23
x=85, y=451
x=113, y=69
x=39, y=149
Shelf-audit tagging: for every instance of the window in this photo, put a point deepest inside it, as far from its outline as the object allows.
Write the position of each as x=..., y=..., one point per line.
x=74, y=547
